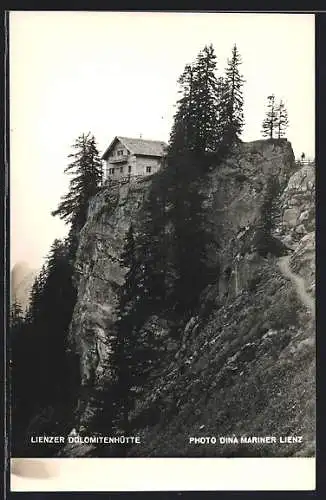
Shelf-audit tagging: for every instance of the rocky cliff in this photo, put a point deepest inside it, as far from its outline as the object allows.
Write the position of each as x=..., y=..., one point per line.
x=244, y=364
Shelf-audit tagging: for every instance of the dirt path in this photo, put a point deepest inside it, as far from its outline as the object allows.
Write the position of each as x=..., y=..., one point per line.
x=298, y=282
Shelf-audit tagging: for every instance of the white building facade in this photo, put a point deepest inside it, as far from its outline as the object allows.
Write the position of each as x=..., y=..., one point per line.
x=126, y=156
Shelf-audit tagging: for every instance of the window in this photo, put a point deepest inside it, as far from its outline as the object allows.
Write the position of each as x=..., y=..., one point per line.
x=111, y=171
x=120, y=152
x=148, y=170
x=121, y=170
x=129, y=168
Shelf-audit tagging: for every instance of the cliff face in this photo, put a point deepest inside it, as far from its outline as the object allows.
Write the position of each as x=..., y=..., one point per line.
x=99, y=275
x=244, y=364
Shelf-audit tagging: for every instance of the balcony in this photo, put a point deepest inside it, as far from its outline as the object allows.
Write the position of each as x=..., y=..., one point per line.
x=118, y=159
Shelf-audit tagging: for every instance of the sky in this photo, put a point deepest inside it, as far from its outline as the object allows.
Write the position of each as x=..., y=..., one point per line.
x=115, y=73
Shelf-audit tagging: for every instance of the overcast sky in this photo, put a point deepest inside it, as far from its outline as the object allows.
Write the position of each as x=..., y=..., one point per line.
x=116, y=74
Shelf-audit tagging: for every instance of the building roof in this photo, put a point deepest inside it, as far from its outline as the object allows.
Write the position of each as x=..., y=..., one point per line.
x=139, y=147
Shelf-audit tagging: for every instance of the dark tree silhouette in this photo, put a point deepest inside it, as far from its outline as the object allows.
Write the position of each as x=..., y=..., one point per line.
x=135, y=349
x=231, y=100
x=195, y=122
x=282, y=120
x=86, y=171
x=205, y=101
x=183, y=128
x=42, y=371
x=269, y=125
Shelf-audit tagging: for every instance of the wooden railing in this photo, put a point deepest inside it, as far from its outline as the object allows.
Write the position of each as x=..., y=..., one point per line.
x=118, y=159
x=309, y=162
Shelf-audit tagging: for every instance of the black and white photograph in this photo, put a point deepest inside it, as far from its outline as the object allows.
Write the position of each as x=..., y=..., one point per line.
x=162, y=246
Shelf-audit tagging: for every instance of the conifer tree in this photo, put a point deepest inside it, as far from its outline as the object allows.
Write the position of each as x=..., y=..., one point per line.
x=185, y=166
x=134, y=349
x=231, y=100
x=205, y=100
x=34, y=311
x=221, y=108
x=195, y=122
x=16, y=316
x=269, y=125
x=282, y=120
x=151, y=247
x=86, y=170
x=182, y=133
x=42, y=371
x=190, y=235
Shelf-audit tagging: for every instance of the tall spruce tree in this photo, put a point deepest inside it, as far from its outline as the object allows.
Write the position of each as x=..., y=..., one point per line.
x=86, y=169
x=205, y=100
x=195, y=122
x=186, y=164
x=134, y=348
x=231, y=118
x=282, y=120
x=221, y=108
x=190, y=235
x=183, y=129
x=269, y=126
